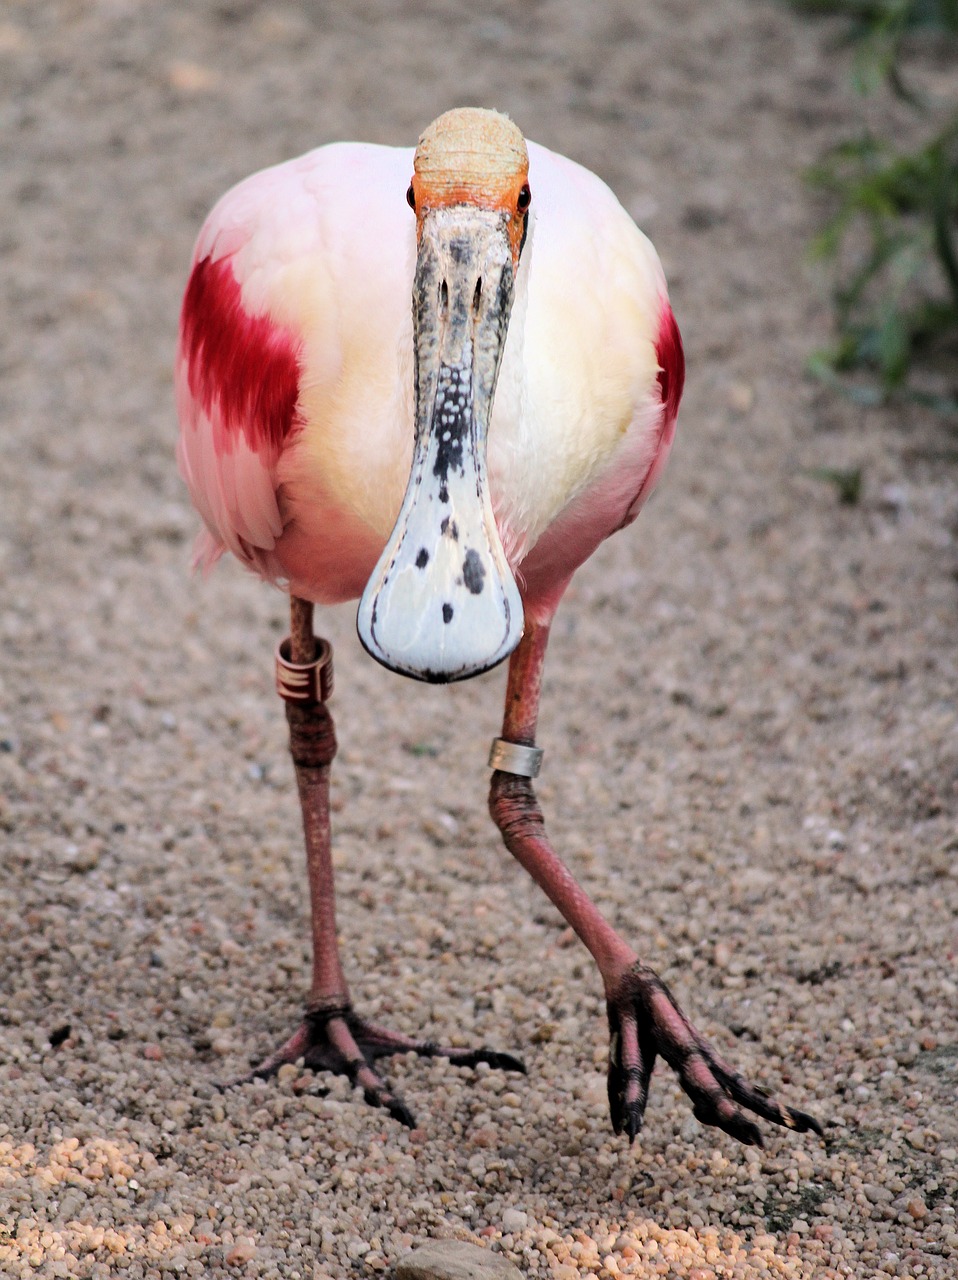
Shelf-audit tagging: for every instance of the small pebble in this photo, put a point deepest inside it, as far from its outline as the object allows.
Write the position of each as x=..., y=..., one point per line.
x=242, y=1252
x=454, y=1260
x=514, y=1220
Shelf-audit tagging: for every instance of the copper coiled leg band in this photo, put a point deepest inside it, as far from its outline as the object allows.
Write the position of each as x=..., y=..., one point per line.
x=304, y=683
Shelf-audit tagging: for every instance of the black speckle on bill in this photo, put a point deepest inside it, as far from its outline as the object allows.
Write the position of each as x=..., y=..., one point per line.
x=473, y=572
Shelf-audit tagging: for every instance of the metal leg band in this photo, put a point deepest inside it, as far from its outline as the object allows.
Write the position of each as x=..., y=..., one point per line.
x=302, y=683
x=512, y=757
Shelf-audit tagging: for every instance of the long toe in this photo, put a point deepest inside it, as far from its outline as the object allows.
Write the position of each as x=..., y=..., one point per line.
x=631, y=1059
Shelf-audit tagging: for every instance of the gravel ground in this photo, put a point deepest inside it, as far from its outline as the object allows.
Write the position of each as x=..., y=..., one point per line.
x=749, y=716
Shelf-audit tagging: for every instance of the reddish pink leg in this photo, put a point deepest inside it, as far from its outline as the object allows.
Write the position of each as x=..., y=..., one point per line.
x=644, y=1018
x=332, y=1037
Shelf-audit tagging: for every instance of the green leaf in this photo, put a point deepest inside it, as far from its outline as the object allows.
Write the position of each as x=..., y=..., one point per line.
x=847, y=482
x=894, y=346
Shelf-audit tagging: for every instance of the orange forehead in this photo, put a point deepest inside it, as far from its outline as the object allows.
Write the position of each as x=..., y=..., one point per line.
x=504, y=199
x=439, y=191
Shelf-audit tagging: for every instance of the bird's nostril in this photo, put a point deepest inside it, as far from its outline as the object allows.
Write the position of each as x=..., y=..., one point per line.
x=443, y=299
x=477, y=297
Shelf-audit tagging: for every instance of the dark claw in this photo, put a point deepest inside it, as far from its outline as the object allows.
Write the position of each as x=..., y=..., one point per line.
x=802, y=1122
x=644, y=1019
x=472, y=1057
x=393, y=1103
x=633, y=1123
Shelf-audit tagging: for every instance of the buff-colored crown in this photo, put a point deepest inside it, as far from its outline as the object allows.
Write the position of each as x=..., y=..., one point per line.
x=470, y=150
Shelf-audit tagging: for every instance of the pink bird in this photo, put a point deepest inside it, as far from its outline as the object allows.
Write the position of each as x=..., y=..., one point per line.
x=438, y=396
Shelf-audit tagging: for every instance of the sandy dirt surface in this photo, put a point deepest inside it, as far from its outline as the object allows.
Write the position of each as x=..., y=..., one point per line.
x=749, y=715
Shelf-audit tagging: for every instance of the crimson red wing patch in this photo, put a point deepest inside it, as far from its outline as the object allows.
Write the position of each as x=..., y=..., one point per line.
x=242, y=369
x=671, y=358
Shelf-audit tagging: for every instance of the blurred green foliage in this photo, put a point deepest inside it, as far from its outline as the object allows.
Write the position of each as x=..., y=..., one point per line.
x=892, y=235
x=878, y=28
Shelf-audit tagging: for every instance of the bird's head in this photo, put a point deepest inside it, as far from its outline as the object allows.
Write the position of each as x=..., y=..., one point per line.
x=473, y=160
x=442, y=603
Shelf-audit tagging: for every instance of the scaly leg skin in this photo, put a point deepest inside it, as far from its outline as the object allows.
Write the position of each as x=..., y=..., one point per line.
x=332, y=1037
x=644, y=1018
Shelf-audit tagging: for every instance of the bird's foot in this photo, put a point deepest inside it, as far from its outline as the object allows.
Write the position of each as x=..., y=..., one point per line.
x=645, y=1020
x=337, y=1039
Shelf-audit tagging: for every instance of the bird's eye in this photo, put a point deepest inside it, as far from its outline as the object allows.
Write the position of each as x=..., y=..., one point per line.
x=411, y=197
x=524, y=199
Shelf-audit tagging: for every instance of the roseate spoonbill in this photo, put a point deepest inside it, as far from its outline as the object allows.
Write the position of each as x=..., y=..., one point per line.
x=452, y=462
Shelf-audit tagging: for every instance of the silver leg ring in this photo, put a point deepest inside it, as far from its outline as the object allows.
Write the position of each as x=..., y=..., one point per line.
x=512, y=757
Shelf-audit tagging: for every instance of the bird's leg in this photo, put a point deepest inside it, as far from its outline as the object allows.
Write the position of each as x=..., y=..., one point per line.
x=644, y=1018
x=332, y=1037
